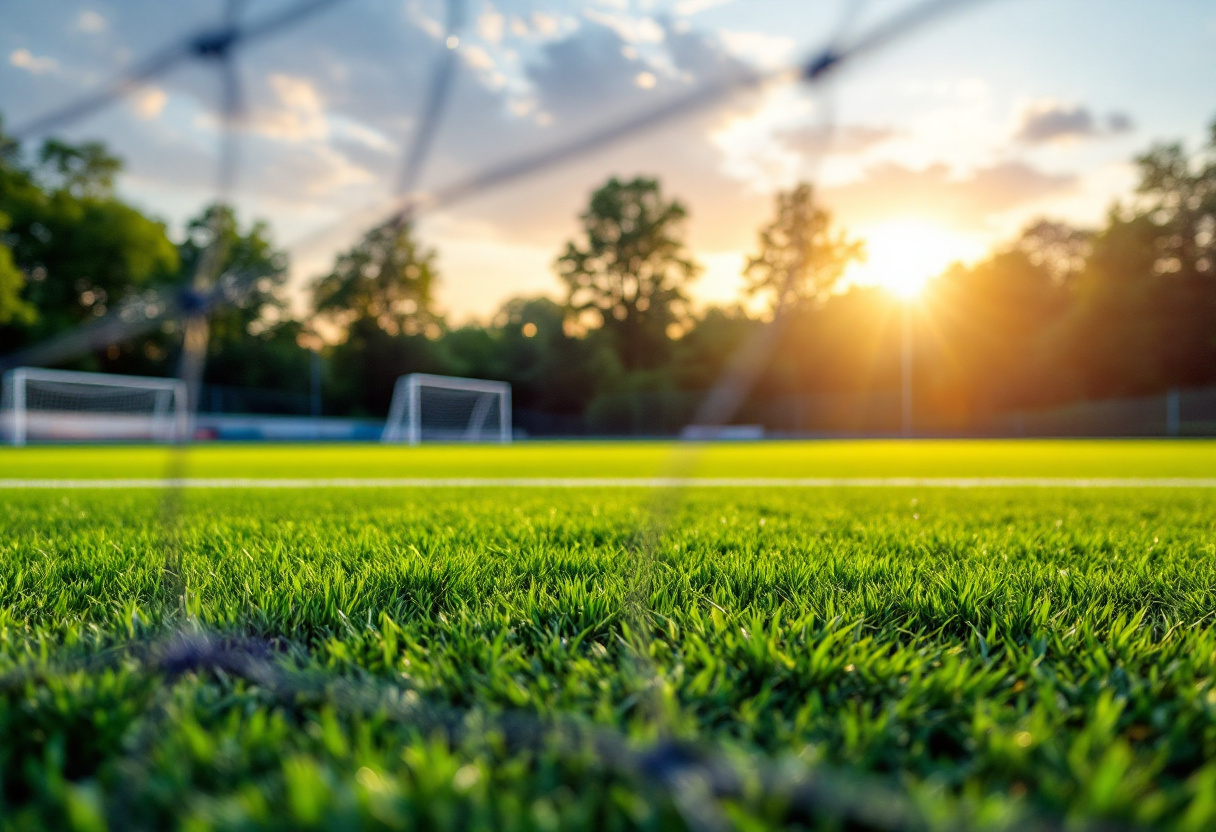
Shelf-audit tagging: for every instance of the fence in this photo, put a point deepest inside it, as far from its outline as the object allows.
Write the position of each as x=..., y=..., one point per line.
x=1176, y=413
x=220, y=398
x=877, y=413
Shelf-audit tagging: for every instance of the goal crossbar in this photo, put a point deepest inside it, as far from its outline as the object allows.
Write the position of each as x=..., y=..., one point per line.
x=167, y=418
x=484, y=416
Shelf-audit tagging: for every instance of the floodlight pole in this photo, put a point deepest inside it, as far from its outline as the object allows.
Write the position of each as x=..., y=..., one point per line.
x=906, y=370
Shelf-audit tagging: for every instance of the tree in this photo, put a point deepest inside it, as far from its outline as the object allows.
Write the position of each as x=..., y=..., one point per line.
x=247, y=252
x=1119, y=326
x=387, y=278
x=1146, y=316
x=12, y=281
x=631, y=273
x=994, y=322
x=253, y=340
x=551, y=370
x=364, y=367
x=86, y=171
x=704, y=351
x=81, y=250
x=1179, y=193
x=801, y=258
x=1061, y=250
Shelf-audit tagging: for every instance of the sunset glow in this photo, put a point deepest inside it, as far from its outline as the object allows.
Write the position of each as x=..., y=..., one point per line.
x=904, y=255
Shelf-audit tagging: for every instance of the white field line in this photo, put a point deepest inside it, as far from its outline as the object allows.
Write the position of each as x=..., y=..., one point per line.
x=621, y=482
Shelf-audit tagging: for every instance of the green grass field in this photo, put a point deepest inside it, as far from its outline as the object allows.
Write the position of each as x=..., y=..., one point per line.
x=866, y=458
x=912, y=657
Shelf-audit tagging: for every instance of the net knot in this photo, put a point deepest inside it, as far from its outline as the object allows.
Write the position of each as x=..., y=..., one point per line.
x=192, y=301
x=672, y=761
x=820, y=65
x=216, y=43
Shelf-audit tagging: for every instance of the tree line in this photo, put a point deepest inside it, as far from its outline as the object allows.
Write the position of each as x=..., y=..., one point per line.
x=1057, y=315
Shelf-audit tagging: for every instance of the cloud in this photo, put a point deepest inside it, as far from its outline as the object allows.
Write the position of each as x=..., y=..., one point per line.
x=338, y=99
x=332, y=105
x=579, y=77
x=477, y=58
x=491, y=26
x=545, y=24
x=691, y=7
x=588, y=79
x=891, y=191
x=843, y=139
x=149, y=102
x=1119, y=123
x=315, y=171
x=24, y=59
x=1049, y=121
x=630, y=29
x=300, y=114
x=90, y=21
x=762, y=48
x=702, y=57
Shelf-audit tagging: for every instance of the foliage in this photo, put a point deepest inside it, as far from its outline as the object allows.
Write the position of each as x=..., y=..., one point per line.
x=254, y=340
x=1180, y=197
x=991, y=319
x=527, y=343
x=632, y=272
x=1059, y=249
x=1153, y=288
x=387, y=278
x=12, y=281
x=81, y=249
x=86, y=171
x=367, y=363
x=1057, y=315
x=801, y=258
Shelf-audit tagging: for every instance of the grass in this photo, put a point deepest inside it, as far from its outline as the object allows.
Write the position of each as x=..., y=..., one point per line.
x=949, y=457
x=867, y=458
x=1001, y=657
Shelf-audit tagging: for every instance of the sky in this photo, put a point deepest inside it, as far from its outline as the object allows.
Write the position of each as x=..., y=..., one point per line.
x=936, y=147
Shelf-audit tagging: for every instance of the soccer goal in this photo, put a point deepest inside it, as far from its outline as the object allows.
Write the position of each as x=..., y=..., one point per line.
x=429, y=408
x=60, y=405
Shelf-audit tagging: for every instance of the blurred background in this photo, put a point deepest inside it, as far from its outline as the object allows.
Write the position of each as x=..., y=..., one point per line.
x=1002, y=225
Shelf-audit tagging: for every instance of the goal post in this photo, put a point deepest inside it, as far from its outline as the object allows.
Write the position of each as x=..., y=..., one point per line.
x=65, y=405
x=430, y=408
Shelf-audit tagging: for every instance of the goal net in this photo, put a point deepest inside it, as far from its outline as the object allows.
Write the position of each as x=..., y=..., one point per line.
x=429, y=408
x=60, y=405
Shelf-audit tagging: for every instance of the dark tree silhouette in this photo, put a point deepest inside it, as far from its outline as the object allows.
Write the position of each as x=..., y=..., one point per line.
x=387, y=278
x=631, y=273
x=79, y=249
x=800, y=253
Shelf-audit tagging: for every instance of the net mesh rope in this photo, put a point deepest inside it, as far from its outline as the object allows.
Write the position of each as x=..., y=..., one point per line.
x=694, y=778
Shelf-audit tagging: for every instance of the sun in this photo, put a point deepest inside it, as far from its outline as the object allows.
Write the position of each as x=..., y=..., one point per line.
x=904, y=255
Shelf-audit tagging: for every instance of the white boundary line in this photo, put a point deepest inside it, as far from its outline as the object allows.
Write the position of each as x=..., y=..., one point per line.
x=622, y=482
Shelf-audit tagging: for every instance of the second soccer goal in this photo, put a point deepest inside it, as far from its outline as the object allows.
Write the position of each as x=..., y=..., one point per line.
x=428, y=408
x=62, y=405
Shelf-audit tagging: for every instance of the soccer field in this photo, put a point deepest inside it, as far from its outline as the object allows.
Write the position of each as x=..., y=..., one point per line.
x=832, y=459
x=903, y=655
